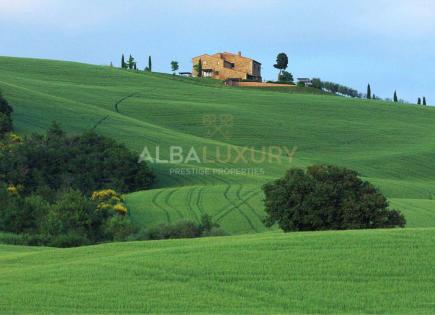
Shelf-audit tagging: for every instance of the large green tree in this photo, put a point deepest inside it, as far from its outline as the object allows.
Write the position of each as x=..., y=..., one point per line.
x=281, y=63
x=327, y=198
x=174, y=66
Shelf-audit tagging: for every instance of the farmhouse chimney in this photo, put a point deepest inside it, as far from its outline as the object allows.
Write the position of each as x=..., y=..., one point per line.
x=240, y=53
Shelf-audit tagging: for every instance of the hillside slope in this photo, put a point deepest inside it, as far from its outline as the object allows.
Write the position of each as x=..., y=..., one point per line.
x=389, y=144
x=353, y=272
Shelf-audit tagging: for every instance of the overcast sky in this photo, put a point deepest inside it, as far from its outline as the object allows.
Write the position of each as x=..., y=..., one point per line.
x=389, y=43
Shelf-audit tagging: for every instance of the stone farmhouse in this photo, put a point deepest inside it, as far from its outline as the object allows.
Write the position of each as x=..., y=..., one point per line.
x=224, y=66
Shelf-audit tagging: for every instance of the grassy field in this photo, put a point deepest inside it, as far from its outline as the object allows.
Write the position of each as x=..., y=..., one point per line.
x=389, y=144
x=353, y=272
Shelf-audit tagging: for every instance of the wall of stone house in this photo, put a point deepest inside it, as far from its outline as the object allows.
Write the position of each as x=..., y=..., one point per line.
x=220, y=72
x=256, y=69
x=226, y=73
x=242, y=66
x=240, y=63
x=208, y=63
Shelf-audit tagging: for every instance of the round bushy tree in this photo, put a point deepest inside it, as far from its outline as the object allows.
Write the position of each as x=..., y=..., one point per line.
x=327, y=198
x=5, y=124
x=5, y=108
x=281, y=63
x=86, y=162
x=285, y=77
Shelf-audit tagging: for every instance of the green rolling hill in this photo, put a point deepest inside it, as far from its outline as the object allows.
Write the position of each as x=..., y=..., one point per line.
x=254, y=271
x=389, y=144
x=352, y=272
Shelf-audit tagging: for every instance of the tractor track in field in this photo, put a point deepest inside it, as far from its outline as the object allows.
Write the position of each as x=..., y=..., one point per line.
x=199, y=199
x=260, y=218
x=116, y=105
x=154, y=202
x=235, y=206
x=247, y=219
x=227, y=190
x=249, y=206
x=99, y=122
x=167, y=198
x=225, y=207
x=228, y=208
x=238, y=207
x=189, y=203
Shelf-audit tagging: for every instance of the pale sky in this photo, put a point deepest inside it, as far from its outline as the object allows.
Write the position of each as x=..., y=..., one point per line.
x=390, y=44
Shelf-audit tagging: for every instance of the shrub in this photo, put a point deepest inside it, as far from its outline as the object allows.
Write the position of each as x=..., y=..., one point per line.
x=316, y=83
x=5, y=124
x=214, y=231
x=108, y=199
x=71, y=219
x=71, y=239
x=183, y=229
x=21, y=214
x=88, y=162
x=119, y=228
x=206, y=224
x=285, y=77
x=5, y=116
x=5, y=108
x=13, y=238
x=74, y=214
x=327, y=198
x=22, y=239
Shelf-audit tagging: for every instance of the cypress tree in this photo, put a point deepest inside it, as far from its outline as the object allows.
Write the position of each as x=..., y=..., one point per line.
x=424, y=101
x=130, y=62
x=369, y=92
x=150, y=66
x=419, y=101
x=395, y=99
x=123, y=62
x=200, y=68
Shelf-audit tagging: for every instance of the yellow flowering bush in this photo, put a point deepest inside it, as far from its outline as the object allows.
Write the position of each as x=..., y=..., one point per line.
x=14, y=138
x=120, y=208
x=9, y=141
x=108, y=199
x=13, y=190
x=104, y=194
